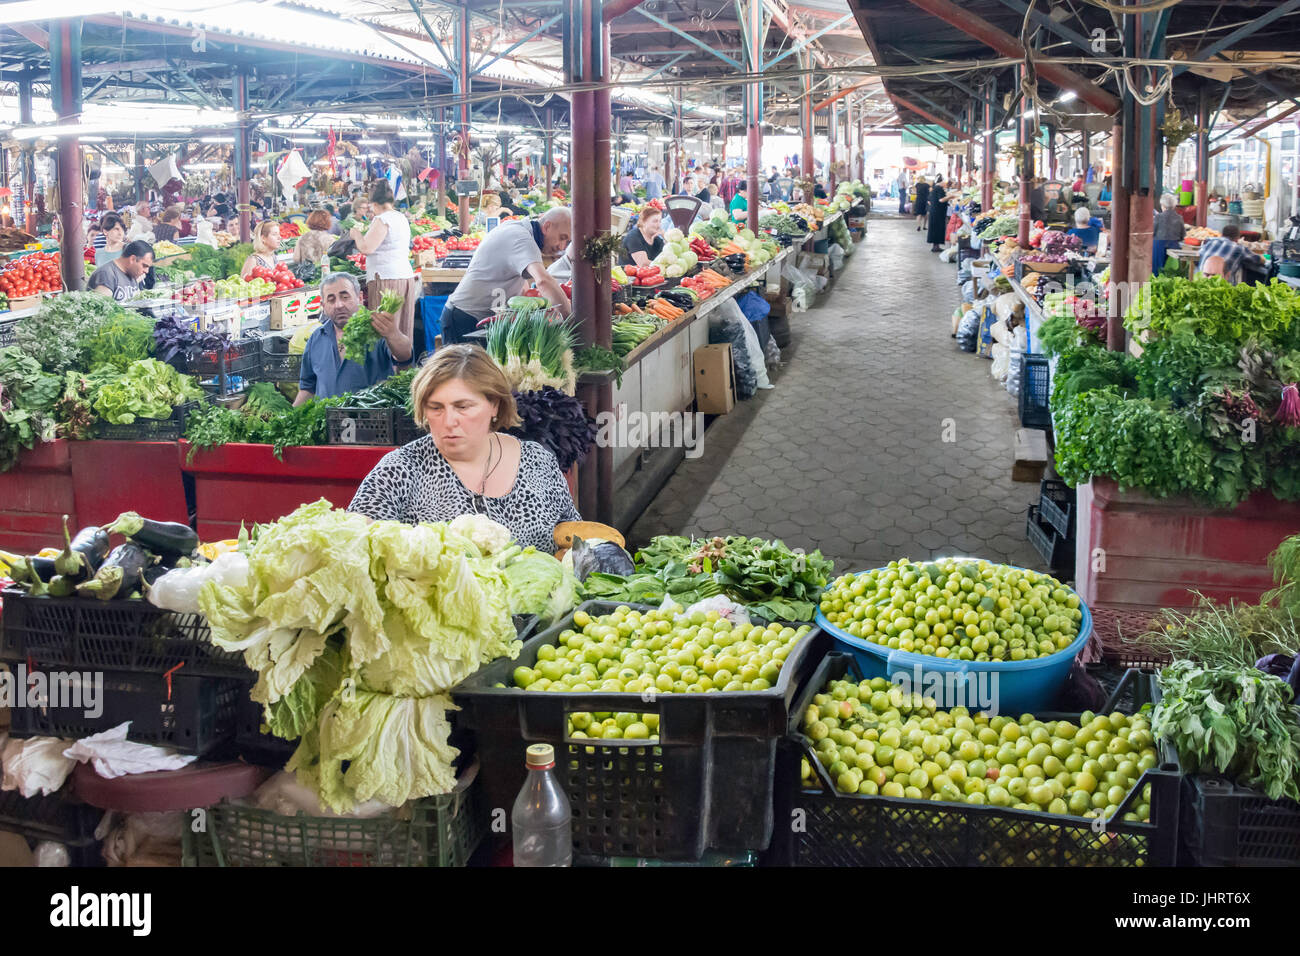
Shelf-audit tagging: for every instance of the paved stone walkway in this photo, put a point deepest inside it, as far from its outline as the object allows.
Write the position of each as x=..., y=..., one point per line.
x=847, y=453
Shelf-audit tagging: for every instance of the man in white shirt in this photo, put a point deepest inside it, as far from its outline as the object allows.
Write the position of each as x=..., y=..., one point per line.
x=509, y=255
x=142, y=224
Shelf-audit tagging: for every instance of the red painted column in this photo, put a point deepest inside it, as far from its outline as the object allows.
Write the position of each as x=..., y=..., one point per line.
x=65, y=70
x=243, y=161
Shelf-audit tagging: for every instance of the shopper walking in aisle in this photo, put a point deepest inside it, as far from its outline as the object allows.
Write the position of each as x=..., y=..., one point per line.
x=1169, y=231
x=387, y=248
x=903, y=190
x=467, y=464
x=920, y=203
x=324, y=371
x=937, y=210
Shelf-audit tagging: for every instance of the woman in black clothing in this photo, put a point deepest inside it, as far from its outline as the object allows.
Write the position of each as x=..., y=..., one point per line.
x=938, y=211
x=919, y=206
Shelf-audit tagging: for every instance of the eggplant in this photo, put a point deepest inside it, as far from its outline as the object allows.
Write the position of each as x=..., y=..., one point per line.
x=121, y=573
x=153, y=573
x=62, y=586
x=161, y=537
x=33, y=570
x=83, y=554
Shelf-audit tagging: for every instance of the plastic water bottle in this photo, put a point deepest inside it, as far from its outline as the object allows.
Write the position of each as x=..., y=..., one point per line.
x=541, y=818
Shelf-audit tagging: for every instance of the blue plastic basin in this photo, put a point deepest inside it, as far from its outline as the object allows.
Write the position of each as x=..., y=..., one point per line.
x=1016, y=687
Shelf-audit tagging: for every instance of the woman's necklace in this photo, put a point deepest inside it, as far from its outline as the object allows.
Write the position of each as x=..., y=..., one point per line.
x=487, y=471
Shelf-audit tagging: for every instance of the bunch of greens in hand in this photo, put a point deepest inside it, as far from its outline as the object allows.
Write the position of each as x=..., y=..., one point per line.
x=359, y=335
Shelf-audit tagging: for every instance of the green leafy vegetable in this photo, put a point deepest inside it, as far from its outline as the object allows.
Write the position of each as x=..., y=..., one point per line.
x=411, y=610
x=773, y=581
x=58, y=334
x=27, y=399
x=119, y=340
x=147, y=389
x=1232, y=720
x=359, y=336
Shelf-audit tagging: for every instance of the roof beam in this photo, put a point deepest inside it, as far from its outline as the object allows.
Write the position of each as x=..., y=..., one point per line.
x=811, y=38
x=730, y=26
x=1254, y=130
x=845, y=92
x=703, y=46
x=926, y=114
x=496, y=57
x=30, y=31
x=1054, y=26
x=1240, y=33
x=1004, y=43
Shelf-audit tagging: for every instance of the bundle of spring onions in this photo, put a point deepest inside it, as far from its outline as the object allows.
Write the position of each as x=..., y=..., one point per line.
x=533, y=351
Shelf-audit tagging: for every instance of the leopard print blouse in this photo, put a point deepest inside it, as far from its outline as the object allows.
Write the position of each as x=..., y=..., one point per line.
x=415, y=483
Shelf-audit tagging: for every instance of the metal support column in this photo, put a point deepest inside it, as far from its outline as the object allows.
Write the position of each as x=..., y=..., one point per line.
x=1202, y=194
x=1025, y=139
x=850, y=141
x=462, y=90
x=832, y=134
x=548, y=150
x=807, y=168
x=754, y=111
x=65, y=91
x=27, y=169
x=986, y=181
x=243, y=197
x=440, y=138
x=1119, y=255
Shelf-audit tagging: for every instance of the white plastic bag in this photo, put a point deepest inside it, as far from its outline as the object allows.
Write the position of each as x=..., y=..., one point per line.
x=737, y=614
x=35, y=765
x=112, y=755
x=836, y=253
x=1001, y=362
x=283, y=794
x=999, y=331
x=178, y=589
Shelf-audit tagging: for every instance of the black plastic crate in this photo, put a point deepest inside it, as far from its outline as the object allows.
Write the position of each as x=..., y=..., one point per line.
x=405, y=430
x=277, y=364
x=705, y=784
x=57, y=816
x=192, y=714
x=148, y=429
x=1056, y=505
x=8, y=332
x=1056, y=550
x=1228, y=825
x=441, y=831
x=1035, y=391
x=824, y=827
x=228, y=369
x=359, y=426
x=124, y=635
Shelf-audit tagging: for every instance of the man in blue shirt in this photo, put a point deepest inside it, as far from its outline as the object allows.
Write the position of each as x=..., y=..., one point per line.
x=325, y=372
x=1225, y=256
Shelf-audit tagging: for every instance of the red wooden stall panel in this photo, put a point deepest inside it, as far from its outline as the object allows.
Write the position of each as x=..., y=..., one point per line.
x=246, y=483
x=1134, y=550
x=110, y=477
x=34, y=496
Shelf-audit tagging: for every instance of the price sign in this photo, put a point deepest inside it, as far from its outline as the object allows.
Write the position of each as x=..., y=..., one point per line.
x=467, y=187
